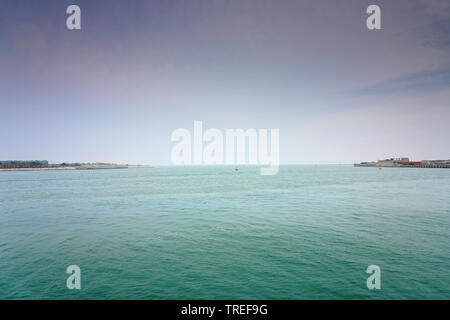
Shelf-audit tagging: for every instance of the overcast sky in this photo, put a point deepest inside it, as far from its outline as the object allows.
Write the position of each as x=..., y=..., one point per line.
x=137, y=70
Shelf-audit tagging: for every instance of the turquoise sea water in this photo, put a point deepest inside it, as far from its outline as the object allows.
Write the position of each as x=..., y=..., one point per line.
x=212, y=233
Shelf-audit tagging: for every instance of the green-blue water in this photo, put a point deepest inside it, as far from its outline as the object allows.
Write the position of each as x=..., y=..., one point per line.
x=212, y=233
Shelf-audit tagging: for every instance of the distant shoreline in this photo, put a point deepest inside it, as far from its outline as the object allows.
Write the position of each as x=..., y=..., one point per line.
x=36, y=169
x=78, y=168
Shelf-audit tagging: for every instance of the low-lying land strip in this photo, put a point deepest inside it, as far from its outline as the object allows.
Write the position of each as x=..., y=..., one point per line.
x=36, y=165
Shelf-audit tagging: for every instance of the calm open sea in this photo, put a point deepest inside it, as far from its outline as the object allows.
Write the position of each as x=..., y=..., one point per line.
x=212, y=233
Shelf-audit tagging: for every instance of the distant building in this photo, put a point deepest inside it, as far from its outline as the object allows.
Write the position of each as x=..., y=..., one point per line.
x=404, y=162
x=12, y=164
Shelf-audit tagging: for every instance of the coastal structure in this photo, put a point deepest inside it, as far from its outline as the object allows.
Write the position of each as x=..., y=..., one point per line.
x=405, y=163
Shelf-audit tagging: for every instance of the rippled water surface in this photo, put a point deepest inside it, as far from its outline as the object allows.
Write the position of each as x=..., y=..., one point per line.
x=212, y=233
